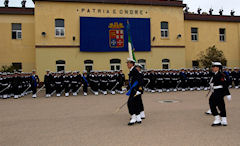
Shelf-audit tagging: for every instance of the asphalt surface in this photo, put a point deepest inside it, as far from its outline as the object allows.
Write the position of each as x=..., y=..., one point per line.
x=91, y=121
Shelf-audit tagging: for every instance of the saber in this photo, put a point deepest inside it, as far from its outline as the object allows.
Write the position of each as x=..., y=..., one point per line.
x=27, y=88
x=114, y=86
x=147, y=83
x=40, y=89
x=79, y=88
x=5, y=89
x=118, y=109
x=178, y=84
x=210, y=90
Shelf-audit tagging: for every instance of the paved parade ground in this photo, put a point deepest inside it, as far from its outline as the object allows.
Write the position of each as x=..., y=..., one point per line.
x=91, y=121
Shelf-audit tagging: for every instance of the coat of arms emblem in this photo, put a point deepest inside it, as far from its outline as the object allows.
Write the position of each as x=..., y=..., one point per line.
x=116, y=35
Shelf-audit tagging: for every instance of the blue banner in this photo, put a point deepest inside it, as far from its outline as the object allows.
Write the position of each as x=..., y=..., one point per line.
x=110, y=34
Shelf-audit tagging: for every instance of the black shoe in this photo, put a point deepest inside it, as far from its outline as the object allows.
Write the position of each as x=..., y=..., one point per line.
x=224, y=125
x=130, y=124
x=139, y=122
x=143, y=118
x=215, y=125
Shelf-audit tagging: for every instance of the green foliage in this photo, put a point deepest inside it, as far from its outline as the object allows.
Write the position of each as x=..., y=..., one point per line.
x=6, y=68
x=212, y=54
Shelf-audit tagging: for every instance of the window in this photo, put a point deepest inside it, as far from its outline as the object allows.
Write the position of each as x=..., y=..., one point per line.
x=60, y=64
x=88, y=65
x=59, y=28
x=17, y=66
x=165, y=63
x=16, y=31
x=143, y=63
x=222, y=32
x=194, y=34
x=115, y=64
x=195, y=64
x=164, y=29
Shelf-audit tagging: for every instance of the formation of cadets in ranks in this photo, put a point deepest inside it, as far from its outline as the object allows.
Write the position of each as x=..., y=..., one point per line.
x=71, y=82
x=185, y=79
x=18, y=84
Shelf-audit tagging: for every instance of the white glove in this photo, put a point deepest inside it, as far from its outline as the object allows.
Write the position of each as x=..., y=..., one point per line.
x=229, y=97
x=138, y=93
x=211, y=85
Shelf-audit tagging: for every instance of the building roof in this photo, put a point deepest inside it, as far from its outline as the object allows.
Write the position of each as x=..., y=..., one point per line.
x=17, y=10
x=205, y=17
x=175, y=3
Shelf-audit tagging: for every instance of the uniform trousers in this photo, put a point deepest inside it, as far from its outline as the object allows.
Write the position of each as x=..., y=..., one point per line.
x=216, y=100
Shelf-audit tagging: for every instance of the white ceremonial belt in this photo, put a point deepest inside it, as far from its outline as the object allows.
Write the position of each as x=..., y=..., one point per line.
x=218, y=87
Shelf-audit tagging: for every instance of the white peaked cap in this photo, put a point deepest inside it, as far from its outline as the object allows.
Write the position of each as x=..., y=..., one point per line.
x=216, y=64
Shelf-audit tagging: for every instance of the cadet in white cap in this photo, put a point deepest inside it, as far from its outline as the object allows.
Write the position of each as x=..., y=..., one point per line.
x=220, y=89
x=133, y=91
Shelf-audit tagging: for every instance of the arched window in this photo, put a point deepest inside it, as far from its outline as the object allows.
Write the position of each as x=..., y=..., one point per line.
x=60, y=65
x=59, y=28
x=165, y=63
x=143, y=63
x=88, y=65
x=164, y=29
x=115, y=64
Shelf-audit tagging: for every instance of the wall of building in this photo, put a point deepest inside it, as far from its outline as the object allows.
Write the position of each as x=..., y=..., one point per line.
x=208, y=35
x=22, y=50
x=49, y=48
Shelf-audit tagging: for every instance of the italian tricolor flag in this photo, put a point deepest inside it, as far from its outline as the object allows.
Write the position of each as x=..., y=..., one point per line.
x=130, y=44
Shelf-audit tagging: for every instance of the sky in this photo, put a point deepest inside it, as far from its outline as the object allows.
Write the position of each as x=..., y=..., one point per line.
x=205, y=5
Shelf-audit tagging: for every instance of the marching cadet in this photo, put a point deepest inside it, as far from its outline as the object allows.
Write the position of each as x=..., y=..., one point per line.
x=34, y=83
x=1, y=87
x=121, y=81
x=94, y=82
x=59, y=84
x=175, y=78
x=76, y=83
x=220, y=89
x=205, y=79
x=15, y=85
x=103, y=83
x=183, y=80
x=134, y=80
x=152, y=83
x=236, y=77
x=67, y=83
x=112, y=83
x=5, y=86
x=139, y=98
x=159, y=81
x=85, y=83
x=48, y=82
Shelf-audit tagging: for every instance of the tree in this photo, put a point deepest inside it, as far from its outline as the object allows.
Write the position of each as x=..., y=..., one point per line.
x=212, y=54
x=6, y=68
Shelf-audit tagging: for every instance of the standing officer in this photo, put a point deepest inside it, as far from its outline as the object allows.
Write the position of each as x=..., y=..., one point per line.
x=47, y=83
x=34, y=83
x=220, y=89
x=85, y=83
x=76, y=83
x=133, y=92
